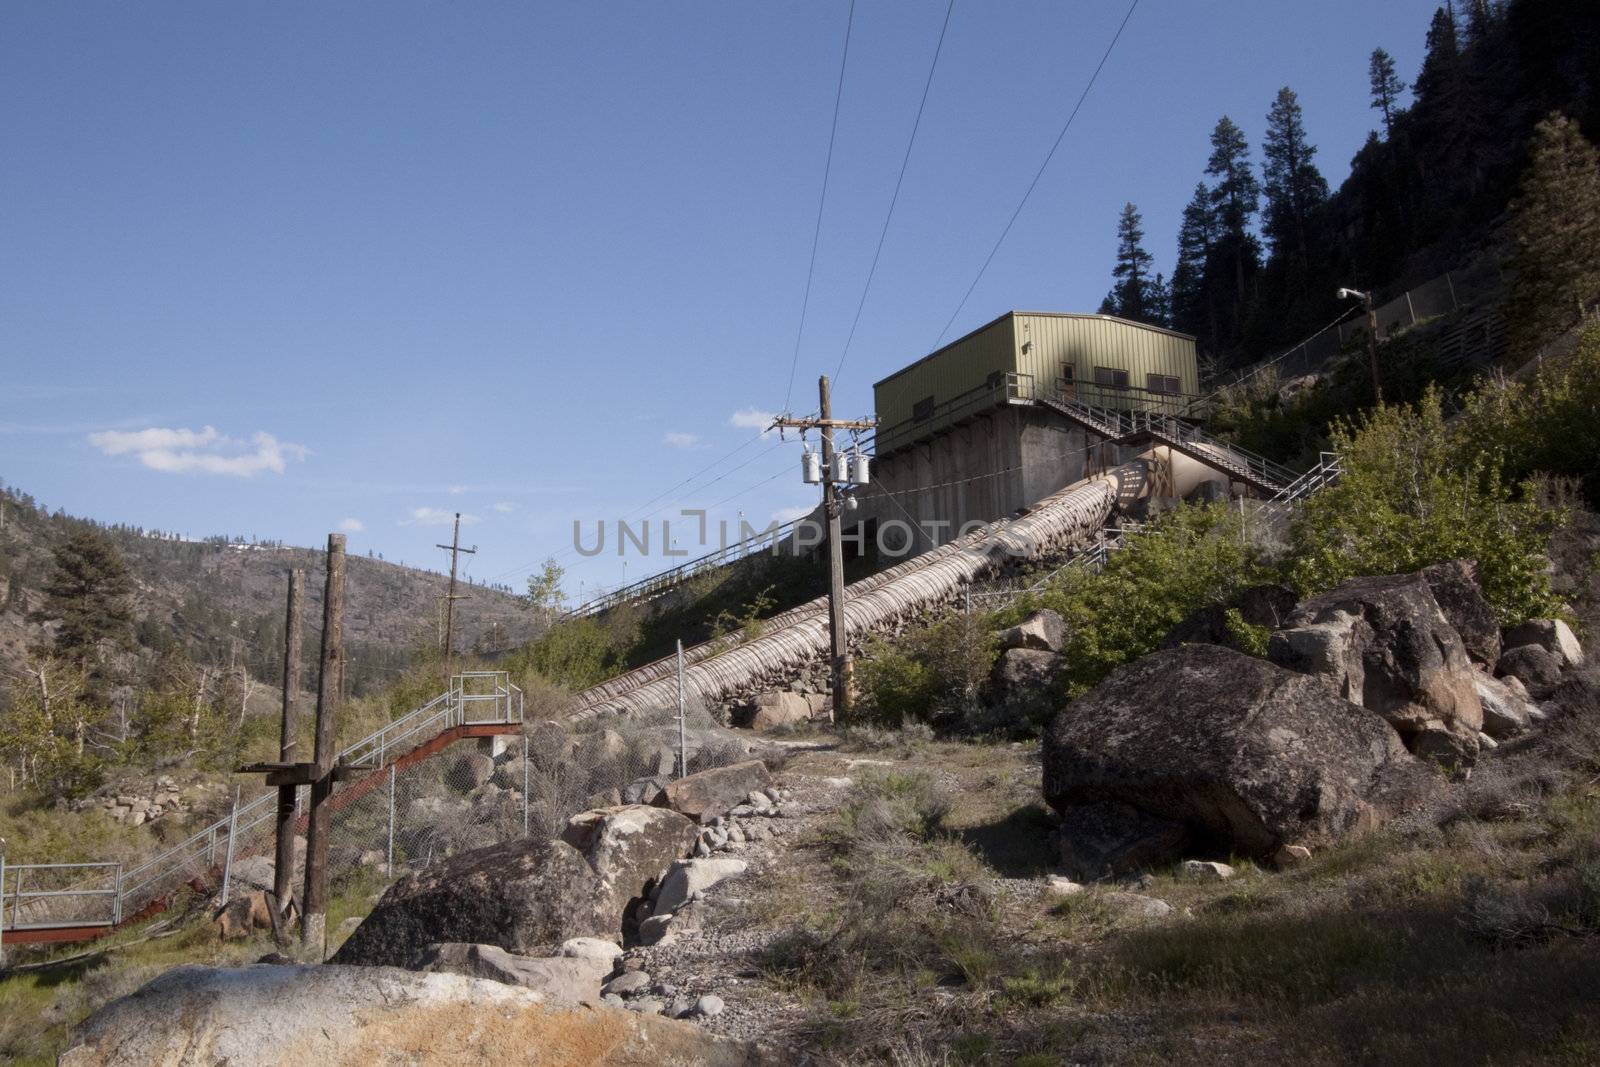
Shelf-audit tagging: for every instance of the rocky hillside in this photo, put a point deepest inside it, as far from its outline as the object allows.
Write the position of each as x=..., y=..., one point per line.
x=222, y=598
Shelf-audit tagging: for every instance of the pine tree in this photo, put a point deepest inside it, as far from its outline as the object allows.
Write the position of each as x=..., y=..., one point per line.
x=1438, y=82
x=1235, y=198
x=1556, y=228
x=1132, y=294
x=1295, y=188
x=1386, y=88
x=1196, y=238
x=87, y=594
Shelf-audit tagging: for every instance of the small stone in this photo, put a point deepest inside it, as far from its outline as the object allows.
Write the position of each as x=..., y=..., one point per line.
x=1141, y=906
x=758, y=801
x=1290, y=856
x=708, y=1006
x=628, y=982
x=655, y=930
x=735, y=835
x=773, y=793
x=1207, y=870
x=1057, y=885
x=682, y=1007
x=613, y=1000
x=592, y=948
x=700, y=849
x=743, y=810
x=645, y=1005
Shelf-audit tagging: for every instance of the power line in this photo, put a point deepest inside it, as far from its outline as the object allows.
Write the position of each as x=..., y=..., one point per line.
x=1039, y=173
x=816, y=235
x=895, y=198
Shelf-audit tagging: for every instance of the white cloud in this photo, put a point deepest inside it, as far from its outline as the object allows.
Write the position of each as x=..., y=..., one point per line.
x=790, y=514
x=751, y=419
x=352, y=525
x=436, y=517
x=457, y=490
x=205, y=451
x=681, y=440
x=503, y=508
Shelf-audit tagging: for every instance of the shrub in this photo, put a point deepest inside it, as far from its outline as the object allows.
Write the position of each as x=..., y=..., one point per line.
x=1186, y=559
x=1412, y=496
x=933, y=673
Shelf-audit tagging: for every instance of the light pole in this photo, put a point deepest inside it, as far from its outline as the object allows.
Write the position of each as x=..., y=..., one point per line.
x=1365, y=296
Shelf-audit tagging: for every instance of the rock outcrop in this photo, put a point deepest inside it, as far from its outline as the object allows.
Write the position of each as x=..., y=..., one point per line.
x=526, y=896
x=1552, y=635
x=1244, y=754
x=565, y=981
x=267, y=1016
x=1042, y=631
x=704, y=795
x=1384, y=643
x=1455, y=589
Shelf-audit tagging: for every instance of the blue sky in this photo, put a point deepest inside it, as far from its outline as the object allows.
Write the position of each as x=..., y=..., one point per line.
x=270, y=269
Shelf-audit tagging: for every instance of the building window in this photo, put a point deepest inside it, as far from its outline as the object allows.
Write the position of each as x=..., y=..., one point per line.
x=1111, y=377
x=1066, y=373
x=1163, y=383
x=922, y=410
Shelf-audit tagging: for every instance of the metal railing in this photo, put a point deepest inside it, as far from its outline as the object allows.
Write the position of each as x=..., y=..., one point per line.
x=473, y=698
x=1120, y=426
x=664, y=581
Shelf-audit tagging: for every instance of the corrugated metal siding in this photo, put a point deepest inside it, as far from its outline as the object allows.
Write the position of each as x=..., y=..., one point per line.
x=1090, y=341
x=1086, y=341
x=953, y=370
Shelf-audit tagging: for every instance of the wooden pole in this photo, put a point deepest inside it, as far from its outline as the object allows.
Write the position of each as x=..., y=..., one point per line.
x=451, y=597
x=314, y=920
x=293, y=640
x=1372, y=349
x=840, y=659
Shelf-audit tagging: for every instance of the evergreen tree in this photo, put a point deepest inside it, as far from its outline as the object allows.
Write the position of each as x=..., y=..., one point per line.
x=1439, y=81
x=1196, y=238
x=1386, y=88
x=1295, y=188
x=87, y=594
x=1133, y=293
x=1556, y=229
x=1236, y=255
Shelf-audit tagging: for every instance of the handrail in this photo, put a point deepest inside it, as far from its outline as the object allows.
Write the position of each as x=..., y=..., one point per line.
x=198, y=852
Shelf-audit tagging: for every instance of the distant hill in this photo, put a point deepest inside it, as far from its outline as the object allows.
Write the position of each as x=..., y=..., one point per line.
x=223, y=599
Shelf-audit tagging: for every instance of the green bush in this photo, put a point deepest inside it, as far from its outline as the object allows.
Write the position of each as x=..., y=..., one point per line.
x=933, y=673
x=1413, y=493
x=1186, y=559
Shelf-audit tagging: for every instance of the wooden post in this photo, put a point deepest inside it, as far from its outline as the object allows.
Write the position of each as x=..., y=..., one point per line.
x=840, y=660
x=284, y=872
x=314, y=918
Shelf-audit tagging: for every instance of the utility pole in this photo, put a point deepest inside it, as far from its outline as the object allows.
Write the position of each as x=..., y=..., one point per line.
x=1365, y=296
x=283, y=872
x=314, y=914
x=839, y=663
x=455, y=550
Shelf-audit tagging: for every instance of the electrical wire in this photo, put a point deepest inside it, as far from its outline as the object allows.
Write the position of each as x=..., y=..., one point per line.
x=816, y=235
x=895, y=197
x=1039, y=173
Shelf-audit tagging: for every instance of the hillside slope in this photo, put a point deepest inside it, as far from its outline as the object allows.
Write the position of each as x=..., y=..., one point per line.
x=224, y=601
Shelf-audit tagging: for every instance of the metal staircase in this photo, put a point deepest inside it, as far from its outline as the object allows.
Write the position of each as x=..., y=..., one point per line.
x=1133, y=427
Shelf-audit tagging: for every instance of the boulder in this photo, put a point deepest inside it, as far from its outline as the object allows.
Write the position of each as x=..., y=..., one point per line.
x=704, y=795
x=471, y=770
x=564, y=981
x=1044, y=631
x=591, y=948
x=1538, y=669
x=1206, y=870
x=1507, y=711
x=510, y=774
x=270, y=1015
x=524, y=896
x=1385, y=644
x=1246, y=755
x=1552, y=635
x=628, y=848
x=688, y=877
x=1024, y=670
x=773, y=709
x=1111, y=839
x=1455, y=589
x=644, y=790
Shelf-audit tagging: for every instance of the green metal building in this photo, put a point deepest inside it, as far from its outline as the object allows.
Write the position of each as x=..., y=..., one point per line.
x=1024, y=355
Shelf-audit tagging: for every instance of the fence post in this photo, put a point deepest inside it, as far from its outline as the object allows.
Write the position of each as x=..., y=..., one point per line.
x=524, y=784
x=2, y=911
x=683, y=747
x=227, y=863
x=116, y=900
x=390, y=864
